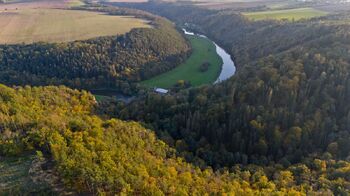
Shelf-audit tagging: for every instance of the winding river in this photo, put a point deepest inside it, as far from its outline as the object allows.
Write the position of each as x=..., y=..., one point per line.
x=228, y=68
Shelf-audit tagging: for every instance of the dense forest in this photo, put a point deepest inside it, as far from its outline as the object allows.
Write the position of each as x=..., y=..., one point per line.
x=287, y=104
x=93, y=155
x=108, y=62
x=279, y=109
x=292, y=77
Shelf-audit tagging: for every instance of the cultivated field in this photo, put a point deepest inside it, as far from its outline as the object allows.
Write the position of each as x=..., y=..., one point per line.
x=203, y=51
x=31, y=4
x=30, y=25
x=289, y=14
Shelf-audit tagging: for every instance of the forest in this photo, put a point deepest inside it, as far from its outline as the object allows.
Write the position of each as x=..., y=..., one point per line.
x=279, y=126
x=292, y=80
x=287, y=105
x=105, y=62
x=94, y=155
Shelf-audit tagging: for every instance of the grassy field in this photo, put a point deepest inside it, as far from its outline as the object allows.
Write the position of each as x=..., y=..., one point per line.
x=203, y=51
x=101, y=97
x=75, y=3
x=30, y=25
x=289, y=14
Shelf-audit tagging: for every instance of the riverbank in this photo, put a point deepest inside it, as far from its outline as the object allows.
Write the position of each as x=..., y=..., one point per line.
x=204, y=51
x=221, y=66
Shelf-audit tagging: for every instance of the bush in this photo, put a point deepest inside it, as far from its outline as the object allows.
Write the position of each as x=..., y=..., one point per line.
x=204, y=67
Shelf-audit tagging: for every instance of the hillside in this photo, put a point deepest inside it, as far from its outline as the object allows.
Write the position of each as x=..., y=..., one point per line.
x=103, y=62
x=292, y=79
x=79, y=152
x=287, y=103
x=279, y=126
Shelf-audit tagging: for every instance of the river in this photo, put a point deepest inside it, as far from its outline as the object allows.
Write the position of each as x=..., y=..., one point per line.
x=228, y=67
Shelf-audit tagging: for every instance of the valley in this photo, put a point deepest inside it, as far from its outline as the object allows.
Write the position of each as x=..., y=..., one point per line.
x=207, y=64
x=255, y=100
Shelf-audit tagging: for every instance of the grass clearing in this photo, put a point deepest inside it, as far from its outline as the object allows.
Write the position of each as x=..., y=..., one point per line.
x=59, y=25
x=100, y=98
x=203, y=51
x=289, y=14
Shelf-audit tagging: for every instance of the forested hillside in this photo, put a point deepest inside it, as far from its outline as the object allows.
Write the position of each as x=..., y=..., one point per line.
x=108, y=62
x=287, y=104
x=91, y=155
x=246, y=40
x=292, y=80
x=280, y=126
x=281, y=109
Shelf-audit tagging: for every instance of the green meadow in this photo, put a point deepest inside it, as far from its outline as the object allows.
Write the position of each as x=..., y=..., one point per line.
x=289, y=14
x=204, y=51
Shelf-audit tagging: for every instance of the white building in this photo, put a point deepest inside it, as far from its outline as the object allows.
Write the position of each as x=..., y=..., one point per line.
x=161, y=90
